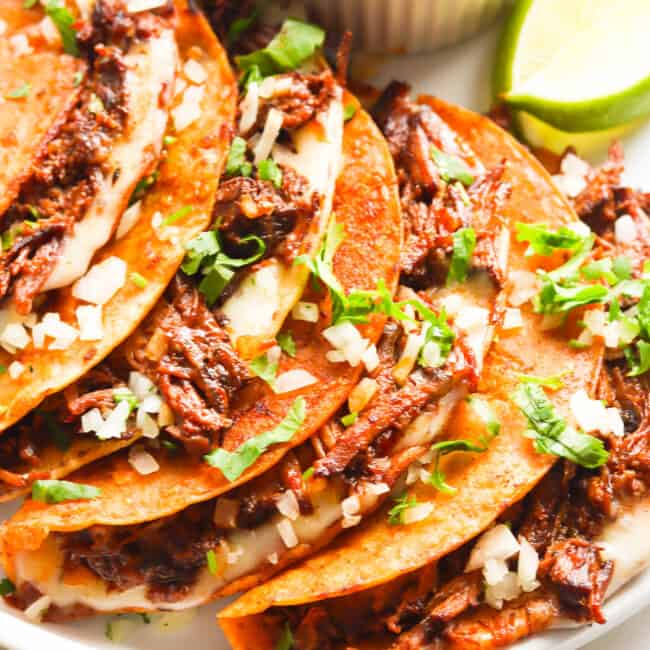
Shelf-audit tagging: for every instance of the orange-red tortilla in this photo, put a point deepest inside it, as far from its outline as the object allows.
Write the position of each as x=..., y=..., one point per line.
x=367, y=205
x=378, y=553
x=188, y=177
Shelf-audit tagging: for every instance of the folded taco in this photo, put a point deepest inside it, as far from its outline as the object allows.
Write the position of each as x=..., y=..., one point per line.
x=238, y=279
x=336, y=472
x=414, y=575
x=105, y=143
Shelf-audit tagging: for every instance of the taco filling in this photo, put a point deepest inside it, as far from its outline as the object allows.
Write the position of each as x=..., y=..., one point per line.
x=429, y=356
x=112, y=137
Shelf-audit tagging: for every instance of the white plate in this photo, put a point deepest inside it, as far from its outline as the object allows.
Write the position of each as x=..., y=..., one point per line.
x=460, y=74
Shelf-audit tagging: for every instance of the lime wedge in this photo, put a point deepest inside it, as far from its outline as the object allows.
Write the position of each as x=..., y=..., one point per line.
x=578, y=65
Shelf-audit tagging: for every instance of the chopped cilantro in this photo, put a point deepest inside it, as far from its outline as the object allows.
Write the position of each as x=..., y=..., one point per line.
x=233, y=463
x=142, y=186
x=21, y=92
x=51, y=491
x=64, y=22
x=295, y=43
x=402, y=504
x=181, y=213
x=286, y=343
x=28, y=4
x=451, y=168
x=6, y=587
x=205, y=255
x=139, y=280
x=550, y=432
x=169, y=140
x=554, y=382
x=543, y=241
x=349, y=419
x=237, y=165
x=463, y=248
x=241, y=25
x=264, y=369
x=125, y=395
x=349, y=111
x=307, y=474
x=639, y=363
x=211, y=559
x=268, y=170
x=285, y=642
x=78, y=78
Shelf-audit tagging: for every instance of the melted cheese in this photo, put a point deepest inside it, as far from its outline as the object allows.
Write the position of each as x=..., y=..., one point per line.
x=151, y=69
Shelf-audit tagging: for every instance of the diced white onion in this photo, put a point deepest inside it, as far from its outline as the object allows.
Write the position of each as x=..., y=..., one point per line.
x=350, y=506
x=3, y=27
x=413, y=473
x=615, y=422
x=232, y=557
x=140, y=385
x=527, y=565
x=524, y=285
x=89, y=319
x=129, y=219
x=506, y=589
x=409, y=357
x=146, y=424
x=15, y=369
x=135, y=6
x=195, y=72
x=269, y=135
x=142, y=461
x=189, y=110
x=431, y=355
x=350, y=522
x=49, y=31
x=417, y=513
x=20, y=45
x=62, y=333
x=376, y=489
x=14, y=336
x=512, y=319
x=307, y=311
x=293, y=380
x=287, y=505
x=335, y=356
x=102, y=281
x=92, y=421
x=361, y=394
x=498, y=543
x=273, y=354
x=166, y=416
x=625, y=230
x=370, y=358
x=249, y=108
x=115, y=423
x=346, y=338
x=494, y=571
x=36, y=610
x=590, y=414
x=275, y=85
x=151, y=404
x=287, y=533
x=273, y=558
x=573, y=178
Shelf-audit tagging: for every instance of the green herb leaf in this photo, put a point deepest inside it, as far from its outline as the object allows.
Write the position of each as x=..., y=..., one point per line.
x=286, y=343
x=641, y=365
x=241, y=25
x=293, y=45
x=142, y=186
x=211, y=559
x=622, y=267
x=125, y=395
x=543, y=241
x=168, y=140
x=553, y=382
x=308, y=473
x=51, y=491
x=205, y=255
x=285, y=642
x=463, y=248
x=349, y=419
x=181, y=213
x=600, y=269
x=268, y=170
x=233, y=463
x=139, y=280
x=78, y=78
x=554, y=298
x=451, y=168
x=349, y=111
x=643, y=311
x=28, y=4
x=20, y=92
x=237, y=165
x=264, y=369
x=402, y=504
x=438, y=478
x=550, y=432
x=6, y=587
x=64, y=22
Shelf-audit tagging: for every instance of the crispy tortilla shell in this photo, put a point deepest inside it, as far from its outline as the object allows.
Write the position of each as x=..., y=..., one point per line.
x=188, y=177
x=367, y=206
x=487, y=483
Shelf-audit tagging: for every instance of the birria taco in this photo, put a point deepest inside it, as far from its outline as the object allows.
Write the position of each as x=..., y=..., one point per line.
x=482, y=561
x=325, y=476
x=183, y=365
x=104, y=142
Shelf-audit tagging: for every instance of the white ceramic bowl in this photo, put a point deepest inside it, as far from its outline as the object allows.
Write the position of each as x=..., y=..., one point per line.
x=405, y=26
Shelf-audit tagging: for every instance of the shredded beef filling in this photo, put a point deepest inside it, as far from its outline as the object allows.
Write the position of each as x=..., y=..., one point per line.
x=166, y=555
x=66, y=179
